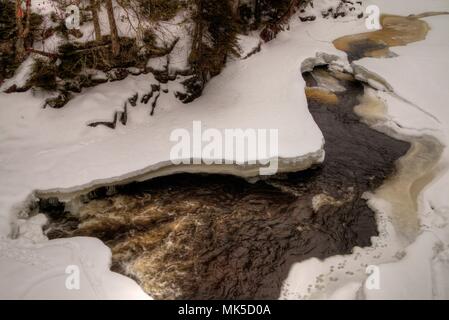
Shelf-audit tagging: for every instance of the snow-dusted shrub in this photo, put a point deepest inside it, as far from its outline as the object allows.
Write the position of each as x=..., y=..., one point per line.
x=43, y=75
x=214, y=40
x=76, y=57
x=8, y=37
x=160, y=10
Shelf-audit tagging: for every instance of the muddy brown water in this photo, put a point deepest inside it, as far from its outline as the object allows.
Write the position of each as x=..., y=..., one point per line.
x=191, y=236
x=396, y=31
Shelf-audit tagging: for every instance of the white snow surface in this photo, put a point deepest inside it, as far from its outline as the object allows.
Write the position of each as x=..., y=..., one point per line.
x=47, y=149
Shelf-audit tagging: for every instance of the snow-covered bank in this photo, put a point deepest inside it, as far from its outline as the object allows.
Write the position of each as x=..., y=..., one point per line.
x=423, y=273
x=41, y=270
x=419, y=76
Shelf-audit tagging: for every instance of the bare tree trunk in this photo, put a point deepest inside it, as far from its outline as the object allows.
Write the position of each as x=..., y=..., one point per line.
x=94, y=8
x=113, y=27
x=20, y=49
x=257, y=13
x=22, y=32
x=197, y=44
x=27, y=22
x=235, y=7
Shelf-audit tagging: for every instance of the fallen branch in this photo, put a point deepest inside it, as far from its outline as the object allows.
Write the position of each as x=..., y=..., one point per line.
x=159, y=52
x=270, y=31
x=43, y=53
x=154, y=104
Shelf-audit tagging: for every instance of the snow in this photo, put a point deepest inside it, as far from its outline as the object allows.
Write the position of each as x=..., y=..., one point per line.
x=426, y=68
x=21, y=75
x=249, y=44
x=39, y=271
x=54, y=150
x=317, y=8
x=404, y=8
x=158, y=63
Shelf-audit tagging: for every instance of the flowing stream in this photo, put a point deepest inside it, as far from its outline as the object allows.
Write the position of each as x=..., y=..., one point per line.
x=196, y=236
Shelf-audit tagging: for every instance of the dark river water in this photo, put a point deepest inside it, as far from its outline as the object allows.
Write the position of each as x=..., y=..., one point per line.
x=192, y=236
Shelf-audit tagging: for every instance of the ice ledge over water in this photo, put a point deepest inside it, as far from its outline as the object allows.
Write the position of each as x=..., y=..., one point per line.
x=167, y=168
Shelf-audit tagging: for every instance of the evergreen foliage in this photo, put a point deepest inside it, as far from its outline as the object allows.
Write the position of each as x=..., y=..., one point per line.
x=7, y=39
x=214, y=40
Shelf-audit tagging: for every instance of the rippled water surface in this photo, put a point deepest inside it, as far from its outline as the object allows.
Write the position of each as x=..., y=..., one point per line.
x=220, y=237
x=195, y=236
